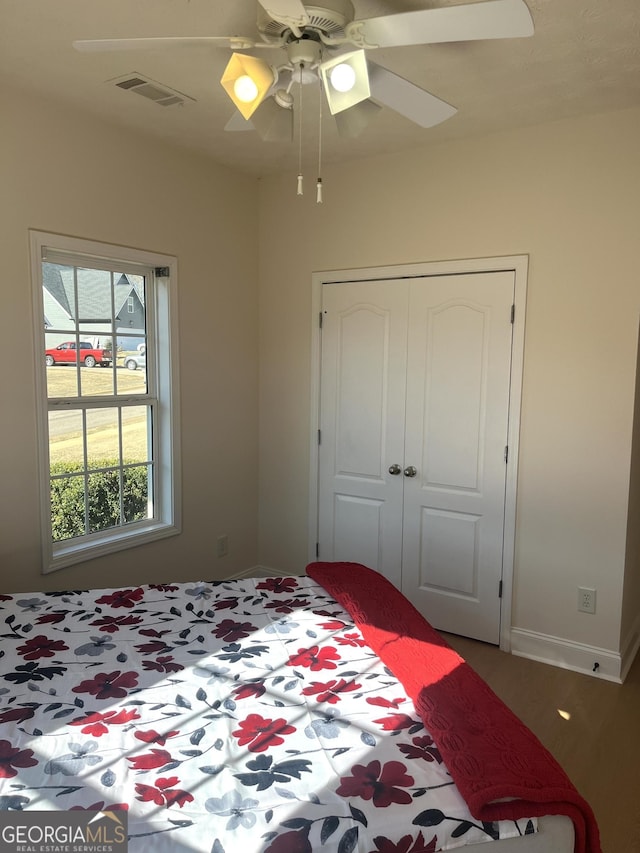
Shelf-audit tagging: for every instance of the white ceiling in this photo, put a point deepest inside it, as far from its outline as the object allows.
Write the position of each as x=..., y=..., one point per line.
x=584, y=58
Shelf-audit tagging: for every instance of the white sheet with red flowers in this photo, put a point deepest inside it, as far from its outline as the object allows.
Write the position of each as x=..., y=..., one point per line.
x=246, y=715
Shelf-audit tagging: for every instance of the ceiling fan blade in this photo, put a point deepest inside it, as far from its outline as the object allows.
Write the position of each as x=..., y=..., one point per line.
x=406, y=98
x=493, y=19
x=239, y=122
x=291, y=12
x=234, y=42
x=273, y=122
x=352, y=121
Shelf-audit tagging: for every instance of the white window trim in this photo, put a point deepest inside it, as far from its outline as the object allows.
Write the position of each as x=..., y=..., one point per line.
x=167, y=519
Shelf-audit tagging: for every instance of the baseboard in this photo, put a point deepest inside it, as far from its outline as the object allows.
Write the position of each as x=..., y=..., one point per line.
x=630, y=648
x=567, y=655
x=260, y=572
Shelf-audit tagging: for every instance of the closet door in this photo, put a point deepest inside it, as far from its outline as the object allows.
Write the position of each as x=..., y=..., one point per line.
x=457, y=409
x=414, y=408
x=361, y=452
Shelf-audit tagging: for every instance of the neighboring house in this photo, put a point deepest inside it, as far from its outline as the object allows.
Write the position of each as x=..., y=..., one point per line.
x=94, y=307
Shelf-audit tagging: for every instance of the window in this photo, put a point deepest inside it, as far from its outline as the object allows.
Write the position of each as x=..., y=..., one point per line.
x=105, y=332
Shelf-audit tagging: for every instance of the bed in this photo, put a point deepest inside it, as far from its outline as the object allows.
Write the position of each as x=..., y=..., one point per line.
x=269, y=715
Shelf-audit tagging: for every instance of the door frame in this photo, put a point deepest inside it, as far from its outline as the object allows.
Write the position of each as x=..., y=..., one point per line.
x=519, y=265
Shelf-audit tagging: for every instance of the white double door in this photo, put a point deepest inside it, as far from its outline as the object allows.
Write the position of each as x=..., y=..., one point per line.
x=414, y=409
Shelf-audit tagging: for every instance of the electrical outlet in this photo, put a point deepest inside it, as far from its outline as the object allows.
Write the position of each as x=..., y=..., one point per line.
x=586, y=599
x=222, y=545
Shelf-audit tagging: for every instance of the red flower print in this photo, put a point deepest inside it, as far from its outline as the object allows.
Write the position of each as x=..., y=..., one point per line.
x=111, y=624
x=386, y=703
x=53, y=618
x=108, y=685
x=10, y=758
x=395, y=722
x=423, y=747
x=231, y=631
x=152, y=736
x=405, y=845
x=260, y=734
x=333, y=625
x=122, y=598
x=291, y=842
x=330, y=692
x=288, y=605
x=41, y=647
x=153, y=647
x=226, y=604
x=146, y=794
x=245, y=691
x=162, y=664
x=150, y=760
x=164, y=793
x=96, y=724
x=16, y=715
x=163, y=587
x=151, y=632
x=382, y=786
x=315, y=658
x=278, y=585
x=351, y=640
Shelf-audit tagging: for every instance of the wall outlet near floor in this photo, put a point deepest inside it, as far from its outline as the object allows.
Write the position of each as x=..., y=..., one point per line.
x=586, y=599
x=222, y=545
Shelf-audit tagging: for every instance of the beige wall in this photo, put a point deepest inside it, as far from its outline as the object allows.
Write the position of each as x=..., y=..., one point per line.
x=568, y=195
x=62, y=173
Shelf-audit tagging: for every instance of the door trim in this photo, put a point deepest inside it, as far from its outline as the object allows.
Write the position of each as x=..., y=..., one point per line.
x=519, y=264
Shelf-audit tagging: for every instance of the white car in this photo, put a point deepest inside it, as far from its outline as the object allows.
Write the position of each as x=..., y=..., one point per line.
x=137, y=360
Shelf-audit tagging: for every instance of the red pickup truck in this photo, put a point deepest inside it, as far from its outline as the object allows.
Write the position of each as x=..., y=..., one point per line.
x=66, y=353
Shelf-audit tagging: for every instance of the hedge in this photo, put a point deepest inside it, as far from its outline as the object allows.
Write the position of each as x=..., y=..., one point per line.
x=68, y=498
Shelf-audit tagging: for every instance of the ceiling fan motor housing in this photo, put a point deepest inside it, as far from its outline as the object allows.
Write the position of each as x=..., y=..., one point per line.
x=331, y=18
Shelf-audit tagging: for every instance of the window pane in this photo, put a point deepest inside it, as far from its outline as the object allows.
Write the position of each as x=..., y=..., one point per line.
x=136, y=434
x=103, y=438
x=104, y=500
x=66, y=450
x=94, y=300
x=67, y=507
x=132, y=365
x=136, y=503
x=96, y=381
x=131, y=327
x=59, y=301
x=60, y=358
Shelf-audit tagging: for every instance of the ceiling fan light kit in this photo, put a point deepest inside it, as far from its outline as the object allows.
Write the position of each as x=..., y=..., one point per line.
x=346, y=80
x=247, y=81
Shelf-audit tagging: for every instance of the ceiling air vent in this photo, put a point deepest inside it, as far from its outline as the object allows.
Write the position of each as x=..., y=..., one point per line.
x=155, y=92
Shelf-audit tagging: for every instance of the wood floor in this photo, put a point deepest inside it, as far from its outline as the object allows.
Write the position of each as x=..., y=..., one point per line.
x=592, y=727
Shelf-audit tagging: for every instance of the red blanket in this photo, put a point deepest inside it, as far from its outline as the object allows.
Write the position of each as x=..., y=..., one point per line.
x=499, y=766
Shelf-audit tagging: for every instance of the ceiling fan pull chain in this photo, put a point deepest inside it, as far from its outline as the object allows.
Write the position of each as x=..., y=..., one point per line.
x=319, y=182
x=300, y=189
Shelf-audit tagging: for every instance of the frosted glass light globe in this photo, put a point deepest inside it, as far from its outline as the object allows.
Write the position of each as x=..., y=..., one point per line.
x=245, y=89
x=342, y=77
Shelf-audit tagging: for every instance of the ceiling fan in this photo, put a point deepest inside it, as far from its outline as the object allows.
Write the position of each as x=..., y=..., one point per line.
x=326, y=42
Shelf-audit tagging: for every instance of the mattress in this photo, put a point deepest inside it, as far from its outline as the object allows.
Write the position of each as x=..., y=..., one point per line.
x=248, y=715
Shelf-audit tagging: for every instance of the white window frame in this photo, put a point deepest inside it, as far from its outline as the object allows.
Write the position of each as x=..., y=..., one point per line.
x=162, y=320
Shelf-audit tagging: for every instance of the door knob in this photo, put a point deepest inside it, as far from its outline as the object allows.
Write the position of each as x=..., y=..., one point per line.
x=410, y=471
x=394, y=469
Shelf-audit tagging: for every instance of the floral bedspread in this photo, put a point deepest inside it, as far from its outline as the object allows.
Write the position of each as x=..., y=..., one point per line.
x=246, y=715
